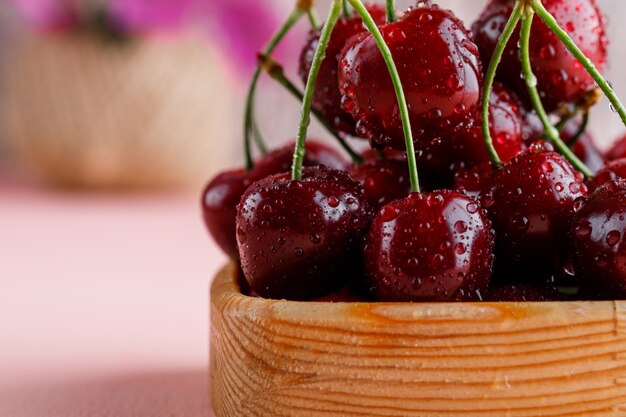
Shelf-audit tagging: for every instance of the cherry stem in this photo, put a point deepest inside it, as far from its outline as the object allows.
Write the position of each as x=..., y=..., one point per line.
x=397, y=85
x=563, y=36
x=345, y=9
x=583, y=126
x=552, y=134
x=307, y=99
x=248, y=123
x=390, y=10
x=313, y=18
x=490, y=76
x=275, y=71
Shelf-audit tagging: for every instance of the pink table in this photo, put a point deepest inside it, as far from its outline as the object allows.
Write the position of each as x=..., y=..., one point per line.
x=94, y=286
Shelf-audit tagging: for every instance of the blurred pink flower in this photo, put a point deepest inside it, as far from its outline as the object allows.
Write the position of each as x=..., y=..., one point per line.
x=47, y=14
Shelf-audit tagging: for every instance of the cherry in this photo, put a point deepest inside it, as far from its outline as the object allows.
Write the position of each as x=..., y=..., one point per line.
x=597, y=234
x=531, y=201
x=560, y=77
x=327, y=98
x=440, y=72
x=472, y=181
x=300, y=239
x=464, y=148
x=280, y=160
x=221, y=196
x=383, y=180
x=612, y=170
x=219, y=208
x=523, y=293
x=618, y=150
x=429, y=247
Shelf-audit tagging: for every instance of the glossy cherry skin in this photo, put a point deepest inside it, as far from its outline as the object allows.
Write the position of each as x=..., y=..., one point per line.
x=383, y=180
x=523, y=293
x=531, y=202
x=327, y=98
x=219, y=208
x=597, y=236
x=613, y=170
x=618, y=150
x=440, y=72
x=464, y=147
x=299, y=239
x=472, y=182
x=280, y=160
x=560, y=77
x=429, y=247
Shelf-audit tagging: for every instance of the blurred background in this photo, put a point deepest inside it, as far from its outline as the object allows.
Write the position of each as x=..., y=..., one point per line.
x=113, y=114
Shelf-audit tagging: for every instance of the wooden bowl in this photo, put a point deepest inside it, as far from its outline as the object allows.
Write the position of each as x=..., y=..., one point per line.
x=153, y=112
x=284, y=358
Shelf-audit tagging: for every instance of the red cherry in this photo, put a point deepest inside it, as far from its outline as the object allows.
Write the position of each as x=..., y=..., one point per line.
x=383, y=180
x=300, y=239
x=523, y=293
x=560, y=77
x=223, y=193
x=612, y=170
x=327, y=98
x=531, y=201
x=280, y=160
x=597, y=237
x=439, y=68
x=219, y=208
x=618, y=150
x=472, y=181
x=464, y=148
x=387, y=153
x=429, y=247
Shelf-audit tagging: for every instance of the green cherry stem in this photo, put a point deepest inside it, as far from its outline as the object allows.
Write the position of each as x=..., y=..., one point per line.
x=490, y=76
x=563, y=36
x=305, y=116
x=249, y=107
x=390, y=9
x=275, y=71
x=313, y=18
x=345, y=9
x=397, y=85
x=552, y=134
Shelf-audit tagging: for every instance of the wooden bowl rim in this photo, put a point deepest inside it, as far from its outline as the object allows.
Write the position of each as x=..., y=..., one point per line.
x=226, y=294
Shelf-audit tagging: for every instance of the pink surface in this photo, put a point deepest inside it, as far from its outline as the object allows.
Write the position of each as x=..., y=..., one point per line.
x=94, y=285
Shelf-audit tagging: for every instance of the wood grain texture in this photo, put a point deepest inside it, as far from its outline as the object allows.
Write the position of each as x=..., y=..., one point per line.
x=283, y=358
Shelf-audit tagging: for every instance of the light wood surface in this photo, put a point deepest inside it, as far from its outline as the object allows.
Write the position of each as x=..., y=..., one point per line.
x=292, y=359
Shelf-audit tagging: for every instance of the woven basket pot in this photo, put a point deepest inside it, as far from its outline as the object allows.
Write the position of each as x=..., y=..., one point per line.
x=147, y=113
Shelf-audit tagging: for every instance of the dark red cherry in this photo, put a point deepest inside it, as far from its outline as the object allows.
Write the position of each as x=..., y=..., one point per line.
x=618, y=150
x=219, y=208
x=523, y=293
x=429, y=247
x=300, y=239
x=464, y=148
x=439, y=68
x=280, y=160
x=387, y=153
x=327, y=98
x=531, y=202
x=344, y=295
x=615, y=169
x=383, y=180
x=585, y=147
x=472, y=181
x=597, y=236
x=560, y=77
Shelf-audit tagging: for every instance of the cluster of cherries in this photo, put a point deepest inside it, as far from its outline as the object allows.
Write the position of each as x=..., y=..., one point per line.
x=532, y=229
